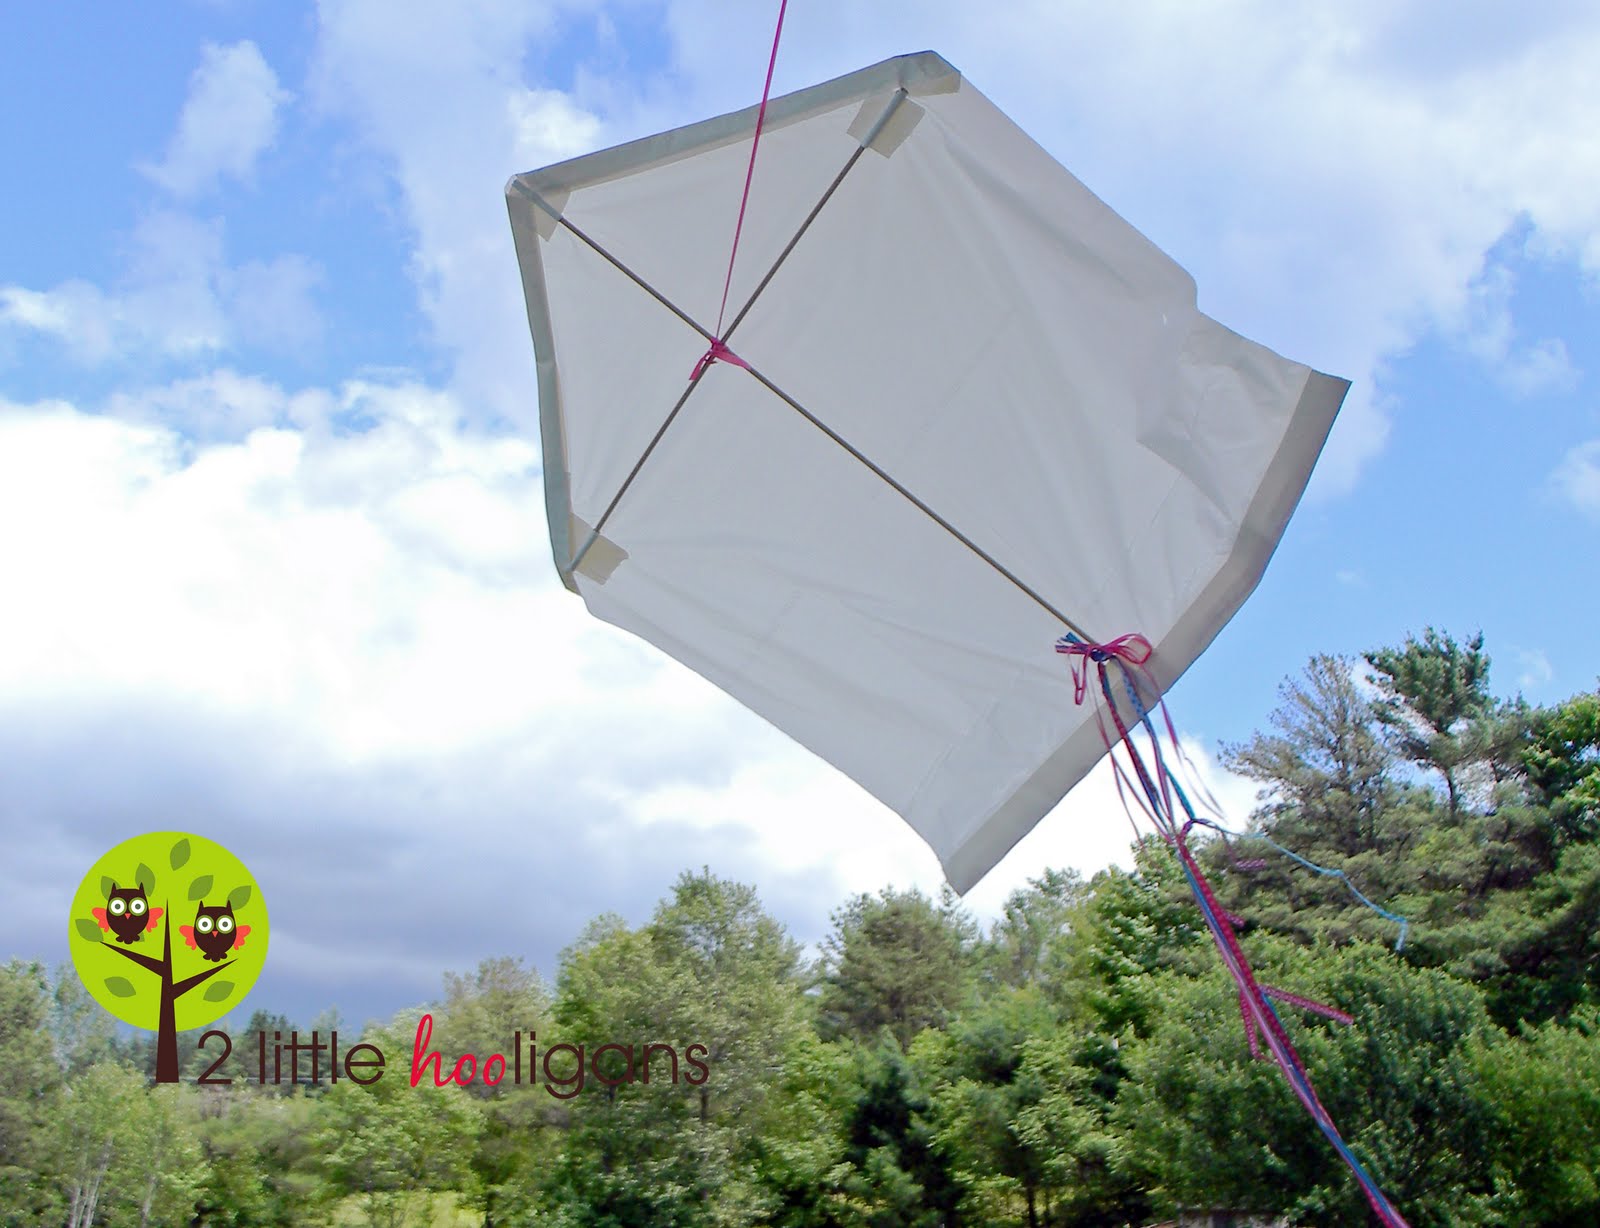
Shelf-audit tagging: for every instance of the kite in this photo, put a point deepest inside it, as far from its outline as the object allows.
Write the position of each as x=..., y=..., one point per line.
x=941, y=415
x=979, y=410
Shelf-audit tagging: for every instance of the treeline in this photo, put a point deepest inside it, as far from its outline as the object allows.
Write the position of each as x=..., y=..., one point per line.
x=1081, y=1062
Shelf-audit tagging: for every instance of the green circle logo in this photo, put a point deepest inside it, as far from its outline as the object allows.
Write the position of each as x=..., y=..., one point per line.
x=168, y=931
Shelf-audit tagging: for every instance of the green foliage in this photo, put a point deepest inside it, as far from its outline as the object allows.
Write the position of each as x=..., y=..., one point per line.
x=1033, y=940
x=711, y=969
x=1080, y=1065
x=1325, y=769
x=1543, y=1092
x=896, y=1174
x=29, y=1088
x=384, y=1143
x=1204, y=1125
x=1562, y=758
x=897, y=960
x=1433, y=691
x=982, y=1090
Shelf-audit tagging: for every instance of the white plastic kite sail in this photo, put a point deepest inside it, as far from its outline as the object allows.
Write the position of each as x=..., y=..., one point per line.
x=980, y=410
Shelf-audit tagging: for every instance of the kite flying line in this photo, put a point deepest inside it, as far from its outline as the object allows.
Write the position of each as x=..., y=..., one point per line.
x=719, y=351
x=1163, y=799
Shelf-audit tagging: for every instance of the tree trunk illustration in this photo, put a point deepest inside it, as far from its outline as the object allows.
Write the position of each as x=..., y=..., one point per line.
x=167, y=1025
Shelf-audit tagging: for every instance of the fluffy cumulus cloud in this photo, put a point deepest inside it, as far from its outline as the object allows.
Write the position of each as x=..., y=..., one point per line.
x=228, y=121
x=317, y=616
x=440, y=94
x=179, y=299
x=318, y=625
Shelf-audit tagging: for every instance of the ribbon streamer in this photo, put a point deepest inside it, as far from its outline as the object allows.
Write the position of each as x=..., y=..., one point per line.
x=1164, y=799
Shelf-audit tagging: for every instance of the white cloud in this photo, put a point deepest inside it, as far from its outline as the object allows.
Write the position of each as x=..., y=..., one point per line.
x=221, y=405
x=439, y=94
x=1483, y=326
x=180, y=298
x=228, y=121
x=1576, y=479
x=320, y=578
x=1534, y=669
x=548, y=126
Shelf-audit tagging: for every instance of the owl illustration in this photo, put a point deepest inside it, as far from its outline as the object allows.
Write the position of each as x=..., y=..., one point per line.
x=127, y=914
x=214, y=932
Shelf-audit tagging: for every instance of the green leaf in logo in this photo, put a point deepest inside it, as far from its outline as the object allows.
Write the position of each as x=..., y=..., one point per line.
x=118, y=987
x=146, y=878
x=198, y=888
x=218, y=990
x=88, y=930
x=180, y=853
x=107, y=886
x=239, y=896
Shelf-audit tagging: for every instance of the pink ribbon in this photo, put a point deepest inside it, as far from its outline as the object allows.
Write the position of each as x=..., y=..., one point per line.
x=1132, y=648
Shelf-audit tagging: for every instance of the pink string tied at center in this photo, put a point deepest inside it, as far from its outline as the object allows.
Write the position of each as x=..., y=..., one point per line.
x=716, y=352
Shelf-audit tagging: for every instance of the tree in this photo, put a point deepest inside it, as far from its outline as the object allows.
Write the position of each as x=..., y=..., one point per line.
x=387, y=1143
x=1202, y=1125
x=1130, y=925
x=165, y=1171
x=1031, y=943
x=745, y=970
x=29, y=1087
x=125, y=1153
x=898, y=1177
x=896, y=961
x=262, y=1170
x=1562, y=759
x=713, y=970
x=481, y=1013
x=1324, y=771
x=982, y=1089
x=1544, y=1093
x=1432, y=692
x=83, y=1033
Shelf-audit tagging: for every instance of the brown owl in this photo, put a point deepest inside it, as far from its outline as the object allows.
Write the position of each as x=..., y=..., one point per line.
x=214, y=932
x=127, y=913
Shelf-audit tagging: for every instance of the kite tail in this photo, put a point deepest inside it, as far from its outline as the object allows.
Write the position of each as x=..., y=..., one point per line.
x=1163, y=801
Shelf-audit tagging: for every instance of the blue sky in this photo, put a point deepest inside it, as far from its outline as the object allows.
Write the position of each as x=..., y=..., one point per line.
x=274, y=551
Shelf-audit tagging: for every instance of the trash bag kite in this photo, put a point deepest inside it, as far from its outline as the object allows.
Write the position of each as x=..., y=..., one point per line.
x=952, y=419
